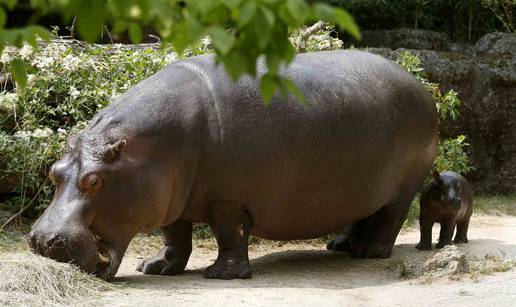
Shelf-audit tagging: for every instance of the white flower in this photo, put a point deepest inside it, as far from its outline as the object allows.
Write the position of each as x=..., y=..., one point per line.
x=22, y=135
x=8, y=98
x=171, y=57
x=71, y=62
x=8, y=101
x=156, y=61
x=43, y=62
x=73, y=92
x=30, y=78
x=323, y=45
x=42, y=133
x=7, y=55
x=26, y=51
x=61, y=131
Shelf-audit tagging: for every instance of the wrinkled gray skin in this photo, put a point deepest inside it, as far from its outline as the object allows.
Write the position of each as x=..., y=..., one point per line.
x=187, y=145
x=448, y=200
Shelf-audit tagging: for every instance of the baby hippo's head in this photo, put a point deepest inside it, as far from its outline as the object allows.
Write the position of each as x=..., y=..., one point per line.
x=448, y=189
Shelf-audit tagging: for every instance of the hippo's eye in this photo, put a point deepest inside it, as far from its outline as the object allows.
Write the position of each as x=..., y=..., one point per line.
x=90, y=183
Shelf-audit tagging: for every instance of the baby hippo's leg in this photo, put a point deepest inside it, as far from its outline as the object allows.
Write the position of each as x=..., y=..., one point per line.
x=446, y=234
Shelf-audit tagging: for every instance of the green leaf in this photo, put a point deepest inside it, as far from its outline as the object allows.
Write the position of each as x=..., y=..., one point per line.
x=292, y=88
x=235, y=64
x=273, y=61
x=269, y=16
x=346, y=22
x=232, y=4
x=246, y=13
x=9, y=3
x=298, y=9
x=195, y=29
x=179, y=37
x=90, y=16
x=135, y=33
x=324, y=12
x=268, y=86
x=338, y=16
x=3, y=17
x=19, y=72
x=222, y=40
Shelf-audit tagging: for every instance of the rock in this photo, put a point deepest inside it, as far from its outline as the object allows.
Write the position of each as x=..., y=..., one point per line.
x=496, y=43
x=486, y=83
x=448, y=261
x=406, y=38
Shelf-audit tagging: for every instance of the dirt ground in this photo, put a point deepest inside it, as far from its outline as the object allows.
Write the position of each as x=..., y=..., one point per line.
x=305, y=274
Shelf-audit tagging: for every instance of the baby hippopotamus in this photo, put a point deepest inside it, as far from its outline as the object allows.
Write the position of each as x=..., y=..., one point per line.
x=448, y=200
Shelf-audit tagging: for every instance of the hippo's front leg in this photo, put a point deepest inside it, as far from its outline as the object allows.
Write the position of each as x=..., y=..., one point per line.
x=446, y=233
x=231, y=225
x=173, y=257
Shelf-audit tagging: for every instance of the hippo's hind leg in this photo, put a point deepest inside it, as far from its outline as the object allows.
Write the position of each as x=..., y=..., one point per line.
x=173, y=257
x=377, y=240
x=462, y=232
x=231, y=225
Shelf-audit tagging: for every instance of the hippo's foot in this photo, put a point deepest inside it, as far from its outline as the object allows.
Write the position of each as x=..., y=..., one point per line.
x=165, y=262
x=442, y=244
x=460, y=240
x=228, y=269
x=424, y=246
x=359, y=250
x=340, y=244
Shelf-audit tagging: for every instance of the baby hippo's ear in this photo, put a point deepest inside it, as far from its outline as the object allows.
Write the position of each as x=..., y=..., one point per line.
x=437, y=177
x=113, y=151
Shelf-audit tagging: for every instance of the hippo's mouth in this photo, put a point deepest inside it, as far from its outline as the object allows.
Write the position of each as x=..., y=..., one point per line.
x=107, y=260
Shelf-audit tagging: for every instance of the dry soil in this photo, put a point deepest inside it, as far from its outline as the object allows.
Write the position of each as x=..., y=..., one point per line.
x=305, y=274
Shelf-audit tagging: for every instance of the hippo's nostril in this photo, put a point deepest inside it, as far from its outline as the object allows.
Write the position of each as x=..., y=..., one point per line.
x=55, y=242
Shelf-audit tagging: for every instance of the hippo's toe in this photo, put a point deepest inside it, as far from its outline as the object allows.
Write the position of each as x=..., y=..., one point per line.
x=340, y=244
x=160, y=265
x=228, y=269
x=442, y=244
x=424, y=246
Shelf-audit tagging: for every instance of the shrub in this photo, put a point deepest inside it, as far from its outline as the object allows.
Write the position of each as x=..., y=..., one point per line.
x=68, y=83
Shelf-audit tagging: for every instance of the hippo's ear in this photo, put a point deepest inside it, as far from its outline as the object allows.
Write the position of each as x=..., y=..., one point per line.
x=437, y=177
x=113, y=151
x=71, y=141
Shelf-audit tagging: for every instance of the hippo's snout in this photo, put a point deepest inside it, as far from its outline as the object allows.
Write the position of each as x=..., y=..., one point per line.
x=81, y=249
x=454, y=203
x=53, y=244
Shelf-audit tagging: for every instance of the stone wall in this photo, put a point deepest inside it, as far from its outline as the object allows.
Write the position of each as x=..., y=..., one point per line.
x=484, y=75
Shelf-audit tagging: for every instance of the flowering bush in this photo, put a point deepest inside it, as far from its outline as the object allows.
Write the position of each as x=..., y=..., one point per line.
x=68, y=83
x=451, y=154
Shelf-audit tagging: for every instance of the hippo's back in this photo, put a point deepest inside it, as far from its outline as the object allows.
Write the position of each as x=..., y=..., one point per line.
x=366, y=138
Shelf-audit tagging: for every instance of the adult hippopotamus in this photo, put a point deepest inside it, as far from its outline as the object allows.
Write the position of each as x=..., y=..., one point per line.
x=188, y=145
